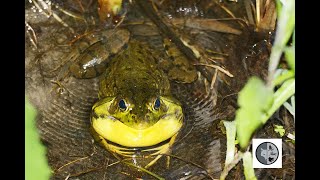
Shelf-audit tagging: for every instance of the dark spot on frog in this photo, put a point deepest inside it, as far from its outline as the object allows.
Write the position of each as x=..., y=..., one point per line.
x=125, y=46
x=94, y=114
x=133, y=118
x=140, y=60
x=112, y=55
x=171, y=58
x=145, y=77
x=102, y=116
x=139, y=50
x=166, y=47
x=128, y=68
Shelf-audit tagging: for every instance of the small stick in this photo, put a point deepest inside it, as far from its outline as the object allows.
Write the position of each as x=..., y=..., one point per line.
x=216, y=67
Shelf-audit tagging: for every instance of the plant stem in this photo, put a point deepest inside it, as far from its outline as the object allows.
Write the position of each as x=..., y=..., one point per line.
x=285, y=28
x=280, y=96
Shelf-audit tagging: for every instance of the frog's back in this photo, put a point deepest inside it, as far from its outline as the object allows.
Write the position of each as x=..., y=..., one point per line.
x=134, y=71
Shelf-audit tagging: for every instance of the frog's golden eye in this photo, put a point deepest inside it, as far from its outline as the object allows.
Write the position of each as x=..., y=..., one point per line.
x=157, y=104
x=122, y=105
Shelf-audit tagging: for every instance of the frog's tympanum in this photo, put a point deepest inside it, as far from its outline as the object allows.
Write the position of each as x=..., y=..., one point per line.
x=136, y=114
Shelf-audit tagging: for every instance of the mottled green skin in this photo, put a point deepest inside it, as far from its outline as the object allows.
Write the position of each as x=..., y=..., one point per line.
x=134, y=76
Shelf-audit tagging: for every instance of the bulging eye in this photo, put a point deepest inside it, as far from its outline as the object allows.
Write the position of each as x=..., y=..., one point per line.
x=122, y=105
x=157, y=104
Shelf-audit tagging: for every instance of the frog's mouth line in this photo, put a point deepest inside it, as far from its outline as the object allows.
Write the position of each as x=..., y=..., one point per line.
x=153, y=150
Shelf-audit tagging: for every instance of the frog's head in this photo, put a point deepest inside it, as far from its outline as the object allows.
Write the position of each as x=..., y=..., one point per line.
x=137, y=118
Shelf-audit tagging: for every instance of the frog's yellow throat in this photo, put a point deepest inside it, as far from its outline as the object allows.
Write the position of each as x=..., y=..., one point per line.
x=127, y=141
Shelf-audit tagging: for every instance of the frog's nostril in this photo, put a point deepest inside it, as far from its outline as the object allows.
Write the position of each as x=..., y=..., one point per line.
x=133, y=116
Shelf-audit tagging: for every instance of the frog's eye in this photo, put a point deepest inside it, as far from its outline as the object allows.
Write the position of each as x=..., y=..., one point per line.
x=157, y=104
x=122, y=105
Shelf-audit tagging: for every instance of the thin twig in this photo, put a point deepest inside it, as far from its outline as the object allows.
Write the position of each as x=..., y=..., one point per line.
x=71, y=162
x=214, y=78
x=49, y=12
x=40, y=9
x=84, y=172
x=72, y=14
x=144, y=170
x=93, y=169
x=229, y=12
x=62, y=22
x=33, y=37
x=81, y=7
x=249, y=11
x=216, y=67
x=215, y=52
x=67, y=177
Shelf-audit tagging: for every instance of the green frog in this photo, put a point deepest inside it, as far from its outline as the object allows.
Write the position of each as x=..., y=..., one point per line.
x=136, y=109
x=136, y=115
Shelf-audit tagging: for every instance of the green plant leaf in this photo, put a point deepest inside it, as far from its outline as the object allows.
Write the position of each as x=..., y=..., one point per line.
x=282, y=75
x=36, y=166
x=279, y=129
x=289, y=53
x=286, y=22
x=254, y=100
x=290, y=107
